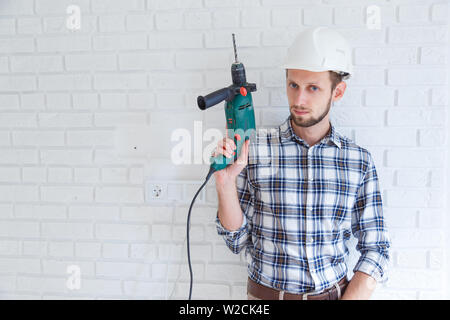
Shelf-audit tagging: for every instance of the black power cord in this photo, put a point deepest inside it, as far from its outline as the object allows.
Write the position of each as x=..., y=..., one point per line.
x=188, y=226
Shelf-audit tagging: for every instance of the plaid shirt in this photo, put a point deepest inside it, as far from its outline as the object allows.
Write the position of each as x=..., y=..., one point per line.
x=301, y=204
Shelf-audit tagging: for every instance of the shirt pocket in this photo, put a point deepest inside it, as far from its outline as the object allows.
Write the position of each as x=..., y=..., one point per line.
x=337, y=198
x=264, y=168
x=260, y=178
x=261, y=168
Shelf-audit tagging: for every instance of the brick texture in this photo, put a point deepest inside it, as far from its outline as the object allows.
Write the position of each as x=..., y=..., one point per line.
x=69, y=197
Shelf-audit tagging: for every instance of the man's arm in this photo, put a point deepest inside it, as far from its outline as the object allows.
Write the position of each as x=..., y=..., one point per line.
x=230, y=213
x=369, y=227
x=234, y=196
x=361, y=287
x=235, y=204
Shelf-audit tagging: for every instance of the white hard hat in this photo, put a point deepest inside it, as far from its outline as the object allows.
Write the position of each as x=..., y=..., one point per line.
x=320, y=49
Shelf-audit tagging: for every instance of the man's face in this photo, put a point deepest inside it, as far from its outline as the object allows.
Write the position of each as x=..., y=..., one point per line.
x=308, y=92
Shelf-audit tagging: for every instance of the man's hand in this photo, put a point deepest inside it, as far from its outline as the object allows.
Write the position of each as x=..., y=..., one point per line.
x=360, y=287
x=227, y=147
x=230, y=212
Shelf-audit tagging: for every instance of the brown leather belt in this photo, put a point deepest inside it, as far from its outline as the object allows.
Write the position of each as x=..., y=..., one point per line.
x=265, y=293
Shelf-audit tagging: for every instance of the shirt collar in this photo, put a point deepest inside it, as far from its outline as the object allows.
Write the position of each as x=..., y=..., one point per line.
x=287, y=134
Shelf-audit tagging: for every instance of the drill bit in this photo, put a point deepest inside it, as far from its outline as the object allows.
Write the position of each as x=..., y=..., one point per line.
x=235, y=51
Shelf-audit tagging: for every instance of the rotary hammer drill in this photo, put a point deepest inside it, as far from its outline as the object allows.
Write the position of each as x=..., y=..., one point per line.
x=240, y=124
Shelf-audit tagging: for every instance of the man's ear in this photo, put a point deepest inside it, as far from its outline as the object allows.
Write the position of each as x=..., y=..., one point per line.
x=338, y=92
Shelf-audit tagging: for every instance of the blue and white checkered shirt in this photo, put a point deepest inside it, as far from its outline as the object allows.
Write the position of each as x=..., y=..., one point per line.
x=301, y=204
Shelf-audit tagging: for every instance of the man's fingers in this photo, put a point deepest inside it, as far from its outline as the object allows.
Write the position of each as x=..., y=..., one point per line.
x=224, y=147
x=244, y=153
x=230, y=144
x=227, y=147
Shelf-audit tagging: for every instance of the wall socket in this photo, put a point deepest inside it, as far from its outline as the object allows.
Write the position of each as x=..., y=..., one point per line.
x=155, y=191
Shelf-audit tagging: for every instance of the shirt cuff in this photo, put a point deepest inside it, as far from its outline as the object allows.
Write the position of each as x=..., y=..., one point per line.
x=231, y=235
x=369, y=263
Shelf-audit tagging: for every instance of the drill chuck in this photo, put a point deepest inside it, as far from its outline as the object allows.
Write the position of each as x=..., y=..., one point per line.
x=227, y=94
x=238, y=74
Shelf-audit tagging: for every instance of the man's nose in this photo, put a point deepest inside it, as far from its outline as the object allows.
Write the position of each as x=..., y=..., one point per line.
x=300, y=97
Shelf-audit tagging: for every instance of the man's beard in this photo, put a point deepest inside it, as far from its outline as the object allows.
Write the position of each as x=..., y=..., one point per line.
x=305, y=123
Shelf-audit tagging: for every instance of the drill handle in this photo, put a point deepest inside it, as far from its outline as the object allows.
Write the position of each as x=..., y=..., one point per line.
x=214, y=98
x=227, y=94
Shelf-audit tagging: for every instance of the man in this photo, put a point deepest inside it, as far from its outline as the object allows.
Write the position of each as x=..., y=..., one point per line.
x=297, y=194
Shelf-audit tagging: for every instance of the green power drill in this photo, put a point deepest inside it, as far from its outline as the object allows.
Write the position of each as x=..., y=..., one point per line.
x=239, y=113
x=240, y=124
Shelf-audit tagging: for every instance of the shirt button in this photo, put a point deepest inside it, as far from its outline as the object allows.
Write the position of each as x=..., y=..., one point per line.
x=311, y=239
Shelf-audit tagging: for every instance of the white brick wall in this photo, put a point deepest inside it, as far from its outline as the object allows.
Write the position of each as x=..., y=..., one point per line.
x=66, y=198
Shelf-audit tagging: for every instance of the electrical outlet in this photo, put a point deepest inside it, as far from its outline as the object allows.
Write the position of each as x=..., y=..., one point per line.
x=156, y=191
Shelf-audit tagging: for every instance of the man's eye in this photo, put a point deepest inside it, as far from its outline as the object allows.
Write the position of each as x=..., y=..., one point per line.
x=314, y=88
x=293, y=85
